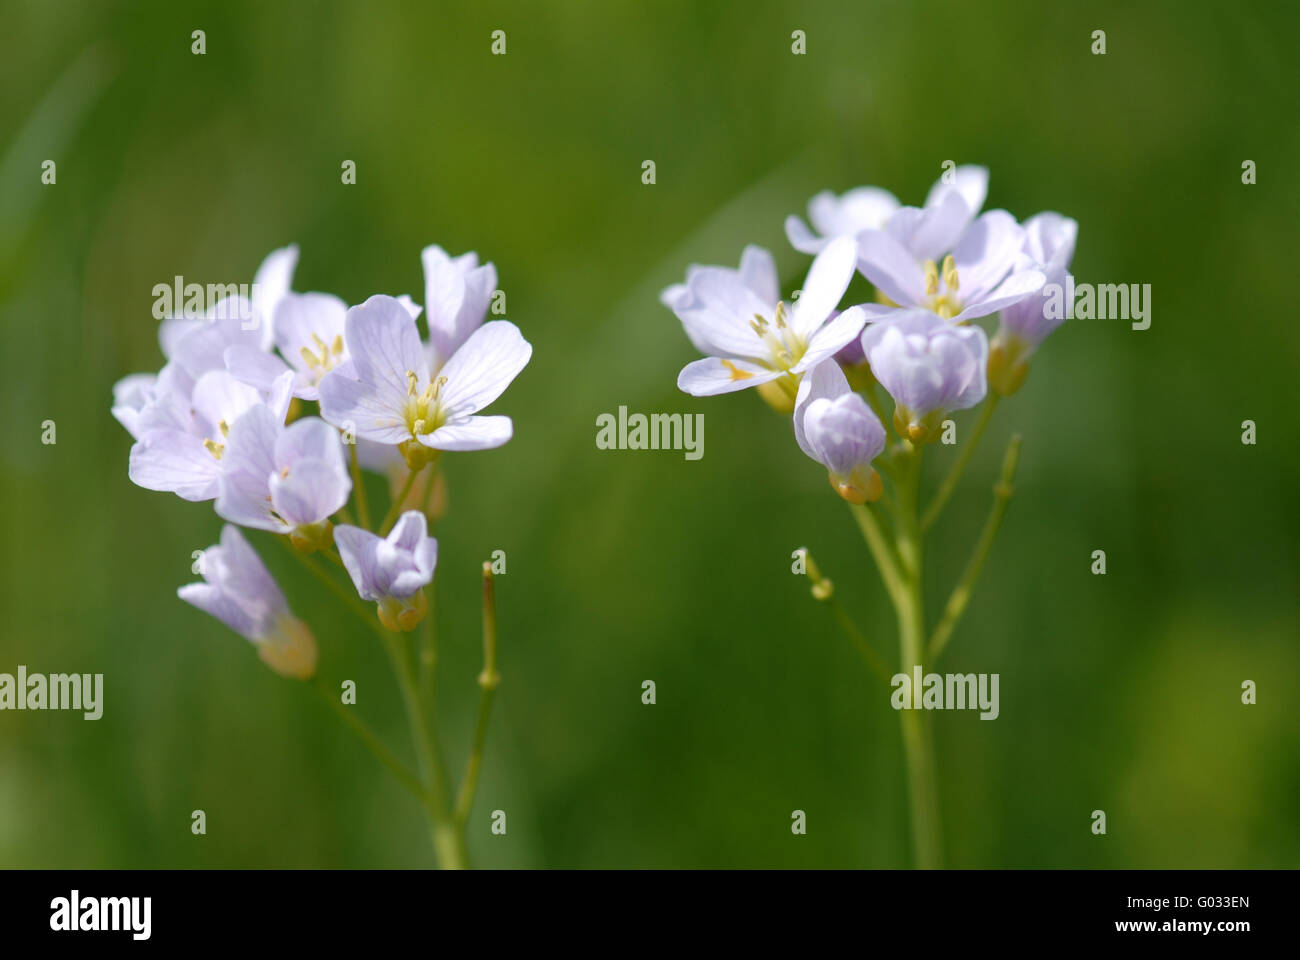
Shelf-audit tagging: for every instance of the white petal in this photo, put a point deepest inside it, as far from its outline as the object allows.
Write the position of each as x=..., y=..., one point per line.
x=254, y=367
x=471, y=433
x=272, y=281
x=828, y=340
x=176, y=462
x=384, y=344
x=825, y=381
x=373, y=414
x=891, y=267
x=713, y=375
x=828, y=278
x=758, y=272
x=801, y=238
x=482, y=368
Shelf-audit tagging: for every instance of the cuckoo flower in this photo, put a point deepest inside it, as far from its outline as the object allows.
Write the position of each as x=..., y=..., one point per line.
x=929, y=366
x=391, y=571
x=309, y=335
x=835, y=427
x=387, y=392
x=241, y=593
x=985, y=271
x=736, y=317
x=457, y=292
x=180, y=437
x=284, y=479
x=927, y=232
x=1022, y=326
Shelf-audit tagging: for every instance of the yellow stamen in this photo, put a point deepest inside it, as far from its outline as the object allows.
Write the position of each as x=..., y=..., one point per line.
x=780, y=315
x=411, y=381
x=931, y=278
x=337, y=345
x=214, y=448
x=224, y=428
x=950, y=273
x=309, y=358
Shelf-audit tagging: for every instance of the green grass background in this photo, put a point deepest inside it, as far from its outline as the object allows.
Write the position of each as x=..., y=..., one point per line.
x=1119, y=692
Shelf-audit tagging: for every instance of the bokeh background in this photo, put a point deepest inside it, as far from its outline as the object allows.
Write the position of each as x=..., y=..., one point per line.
x=1119, y=692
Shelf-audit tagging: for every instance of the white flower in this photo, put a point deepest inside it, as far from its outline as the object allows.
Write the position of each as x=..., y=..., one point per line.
x=391, y=571
x=1022, y=326
x=837, y=428
x=927, y=232
x=736, y=317
x=387, y=392
x=181, y=434
x=284, y=479
x=929, y=367
x=241, y=593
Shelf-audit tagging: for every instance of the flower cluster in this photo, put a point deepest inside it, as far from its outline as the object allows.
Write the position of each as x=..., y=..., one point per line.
x=935, y=268
x=228, y=419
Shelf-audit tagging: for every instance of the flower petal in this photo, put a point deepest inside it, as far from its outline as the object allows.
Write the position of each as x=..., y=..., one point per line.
x=828, y=278
x=714, y=375
x=482, y=368
x=891, y=267
x=384, y=344
x=176, y=462
x=470, y=433
x=825, y=381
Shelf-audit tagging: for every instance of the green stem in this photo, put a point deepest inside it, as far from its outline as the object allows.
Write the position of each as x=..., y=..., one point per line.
x=448, y=841
x=918, y=745
x=881, y=551
x=859, y=640
x=488, y=682
x=959, y=467
x=961, y=594
x=358, y=488
x=373, y=743
x=429, y=658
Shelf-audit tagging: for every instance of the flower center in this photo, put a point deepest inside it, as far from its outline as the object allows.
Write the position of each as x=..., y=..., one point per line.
x=424, y=414
x=941, y=297
x=784, y=346
x=325, y=357
x=214, y=448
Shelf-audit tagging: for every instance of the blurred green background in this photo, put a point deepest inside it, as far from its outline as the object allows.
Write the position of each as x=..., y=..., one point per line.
x=1119, y=692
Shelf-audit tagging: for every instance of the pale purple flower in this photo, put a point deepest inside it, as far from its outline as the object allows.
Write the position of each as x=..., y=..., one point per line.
x=308, y=332
x=457, y=293
x=1049, y=245
x=181, y=436
x=240, y=592
x=846, y=215
x=737, y=318
x=387, y=392
x=985, y=268
x=284, y=479
x=927, y=232
x=391, y=571
x=928, y=365
x=837, y=428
